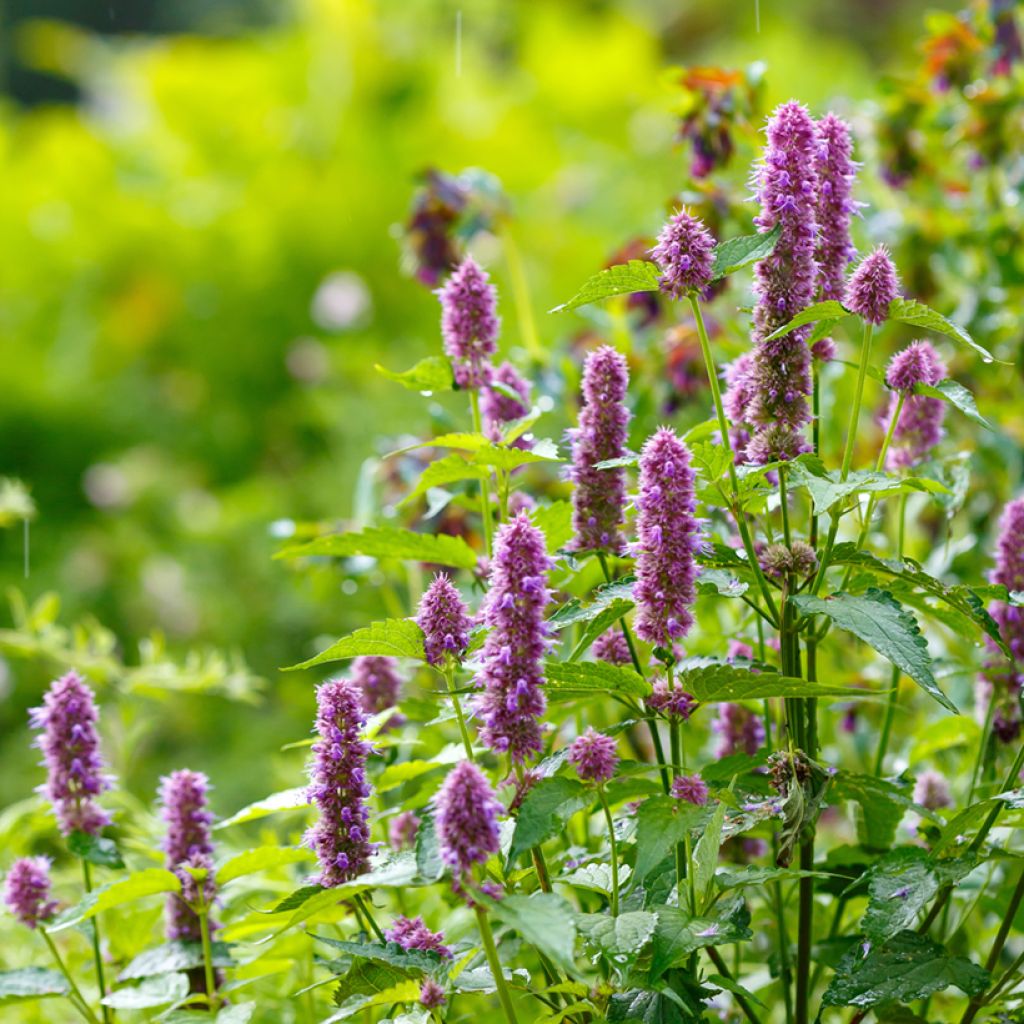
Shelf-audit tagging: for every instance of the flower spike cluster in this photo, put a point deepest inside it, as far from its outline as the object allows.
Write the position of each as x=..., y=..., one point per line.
x=376, y=676
x=836, y=207
x=412, y=933
x=27, y=891
x=512, y=675
x=341, y=836
x=189, y=844
x=667, y=540
x=444, y=620
x=594, y=756
x=466, y=816
x=71, y=754
x=599, y=497
x=685, y=254
x=872, y=286
x=469, y=323
x=919, y=428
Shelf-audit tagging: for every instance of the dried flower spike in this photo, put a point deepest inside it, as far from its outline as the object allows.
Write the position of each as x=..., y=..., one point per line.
x=469, y=323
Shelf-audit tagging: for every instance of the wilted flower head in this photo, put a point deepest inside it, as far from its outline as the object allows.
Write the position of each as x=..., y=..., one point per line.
x=599, y=495
x=674, y=701
x=919, y=428
x=341, y=836
x=412, y=933
x=612, y=648
x=444, y=620
x=799, y=558
x=402, y=830
x=504, y=398
x=690, y=789
x=27, y=891
x=513, y=701
x=739, y=731
x=466, y=818
x=71, y=754
x=685, y=254
x=469, y=322
x=836, y=174
x=594, y=756
x=667, y=537
x=188, y=842
x=376, y=676
x=776, y=442
x=872, y=287
x=932, y=791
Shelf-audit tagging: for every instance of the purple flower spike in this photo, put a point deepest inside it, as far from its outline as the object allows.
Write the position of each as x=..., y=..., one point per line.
x=341, y=836
x=71, y=755
x=673, y=703
x=1010, y=573
x=594, y=756
x=512, y=675
x=919, y=428
x=412, y=933
x=611, y=647
x=188, y=843
x=27, y=891
x=498, y=406
x=469, y=323
x=377, y=678
x=872, y=287
x=466, y=816
x=737, y=400
x=685, y=254
x=738, y=730
x=932, y=791
x=431, y=994
x=690, y=789
x=836, y=174
x=667, y=533
x=786, y=281
x=599, y=497
x=402, y=830
x=444, y=620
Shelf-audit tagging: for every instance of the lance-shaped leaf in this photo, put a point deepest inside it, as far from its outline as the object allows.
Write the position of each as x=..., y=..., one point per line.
x=431, y=374
x=449, y=470
x=735, y=253
x=917, y=314
x=622, y=279
x=957, y=395
x=285, y=800
x=829, y=310
x=172, y=957
x=398, y=638
x=389, y=542
x=150, y=882
x=260, y=858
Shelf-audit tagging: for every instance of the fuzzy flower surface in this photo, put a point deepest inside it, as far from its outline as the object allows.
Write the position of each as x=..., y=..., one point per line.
x=402, y=830
x=673, y=702
x=931, y=790
x=188, y=842
x=431, y=994
x=70, y=744
x=685, y=254
x=611, y=647
x=667, y=540
x=376, y=676
x=466, y=816
x=512, y=672
x=498, y=405
x=690, y=789
x=1009, y=572
x=737, y=400
x=341, y=836
x=920, y=426
x=739, y=731
x=27, y=891
x=836, y=207
x=594, y=756
x=444, y=619
x=872, y=286
x=469, y=323
x=599, y=495
x=412, y=933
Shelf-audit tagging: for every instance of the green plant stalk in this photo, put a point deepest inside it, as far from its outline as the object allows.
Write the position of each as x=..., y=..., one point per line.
x=357, y=898
x=96, y=953
x=603, y=797
x=784, y=506
x=75, y=997
x=485, y=483
x=449, y=678
x=491, y=952
x=675, y=745
x=986, y=737
x=203, y=913
x=785, y=970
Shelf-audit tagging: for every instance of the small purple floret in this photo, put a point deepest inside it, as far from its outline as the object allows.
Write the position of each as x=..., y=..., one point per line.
x=685, y=254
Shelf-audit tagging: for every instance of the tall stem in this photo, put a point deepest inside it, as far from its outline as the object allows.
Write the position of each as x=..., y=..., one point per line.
x=485, y=482
x=368, y=914
x=449, y=678
x=76, y=998
x=602, y=796
x=491, y=952
x=96, y=951
x=211, y=984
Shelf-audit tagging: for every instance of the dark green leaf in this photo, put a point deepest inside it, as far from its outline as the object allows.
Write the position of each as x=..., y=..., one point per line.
x=31, y=983
x=622, y=279
x=95, y=849
x=678, y=934
x=544, y=920
x=882, y=802
x=575, y=611
x=662, y=823
x=389, y=542
x=910, y=311
x=735, y=253
x=830, y=310
x=713, y=683
x=398, y=638
x=705, y=857
x=431, y=374
x=957, y=395
x=545, y=810
x=620, y=938
x=409, y=961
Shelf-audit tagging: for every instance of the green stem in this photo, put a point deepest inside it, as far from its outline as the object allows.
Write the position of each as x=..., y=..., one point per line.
x=203, y=913
x=716, y=958
x=614, y=849
x=96, y=953
x=449, y=678
x=491, y=952
x=890, y=708
x=858, y=398
x=805, y=933
x=485, y=483
x=784, y=506
x=785, y=971
x=76, y=998
x=367, y=913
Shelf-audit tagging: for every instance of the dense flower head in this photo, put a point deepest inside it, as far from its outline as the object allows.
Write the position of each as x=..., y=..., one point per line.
x=778, y=560
x=599, y=495
x=188, y=842
x=872, y=286
x=27, y=891
x=931, y=790
x=823, y=350
x=412, y=933
x=402, y=830
x=444, y=619
x=594, y=756
x=338, y=786
x=512, y=658
x=776, y=442
x=376, y=676
x=431, y=994
x=737, y=399
x=469, y=322
x=673, y=702
x=739, y=730
x=611, y=647
x=667, y=540
x=498, y=405
x=919, y=428
x=466, y=816
x=690, y=789
x=1009, y=572
x=71, y=754
x=836, y=207
x=685, y=254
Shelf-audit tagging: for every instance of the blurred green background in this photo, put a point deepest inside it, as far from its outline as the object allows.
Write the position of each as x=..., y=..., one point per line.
x=200, y=212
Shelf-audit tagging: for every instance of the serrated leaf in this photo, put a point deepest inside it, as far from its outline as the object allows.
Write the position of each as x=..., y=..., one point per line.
x=661, y=824
x=26, y=983
x=429, y=865
x=711, y=684
x=882, y=803
x=620, y=938
x=155, y=991
x=958, y=396
x=397, y=638
x=752, y=875
x=642, y=1006
x=431, y=374
x=448, y=470
x=907, y=967
x=829, y=310
x=678, y=933
x=150, y=882
x=621, y=279
x=285, y=800
x=95, y=849
x=917, y=314
x=389, y=542
x=544, y=920
x=878, y=619
x=735, y=253
x=259, y=859
x=545, y=810
x=711, y=460
x=901, y=885
x=172, y=957
x=555, y=522
x=296, y=899
x=596, y=876
x=498, y=456
x=719, y=581
x=569, y=679
x=409, y=961
x=575, y=611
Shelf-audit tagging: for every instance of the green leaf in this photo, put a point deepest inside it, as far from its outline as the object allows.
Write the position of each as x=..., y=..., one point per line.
x=827, y=487
x=882, y=804
x=504, y=458
x=172, y=957
x=878, y=619
x=545, y=810
x=239, y=1013
x=296, y=899
x=719, y=581
x=735, y=253
x=575, y=611
x=830, y=310
x=368, y=978
x=409, y=961
x=431, y=374
x=705, y=857
x=405, y=771
x=259, y=859
x=448, y=470
x=429, y=865
x=389, y=542
x=156, y=991
x=622, y=279
x=555, y=522
x=620, y=938
x=711, y=684
x=135, y=887
x=642, y=1006
x=95, y=849
x=399, y=638
x=285, y=800
x=570, y=679
x=917, y=314
x=957, y=395
x=901, y=885
x=544, y=920
x=752, y=875
x=26, y=983
x=661, y=824
x=710, y=460
x=678, y=934
x=907, y=967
